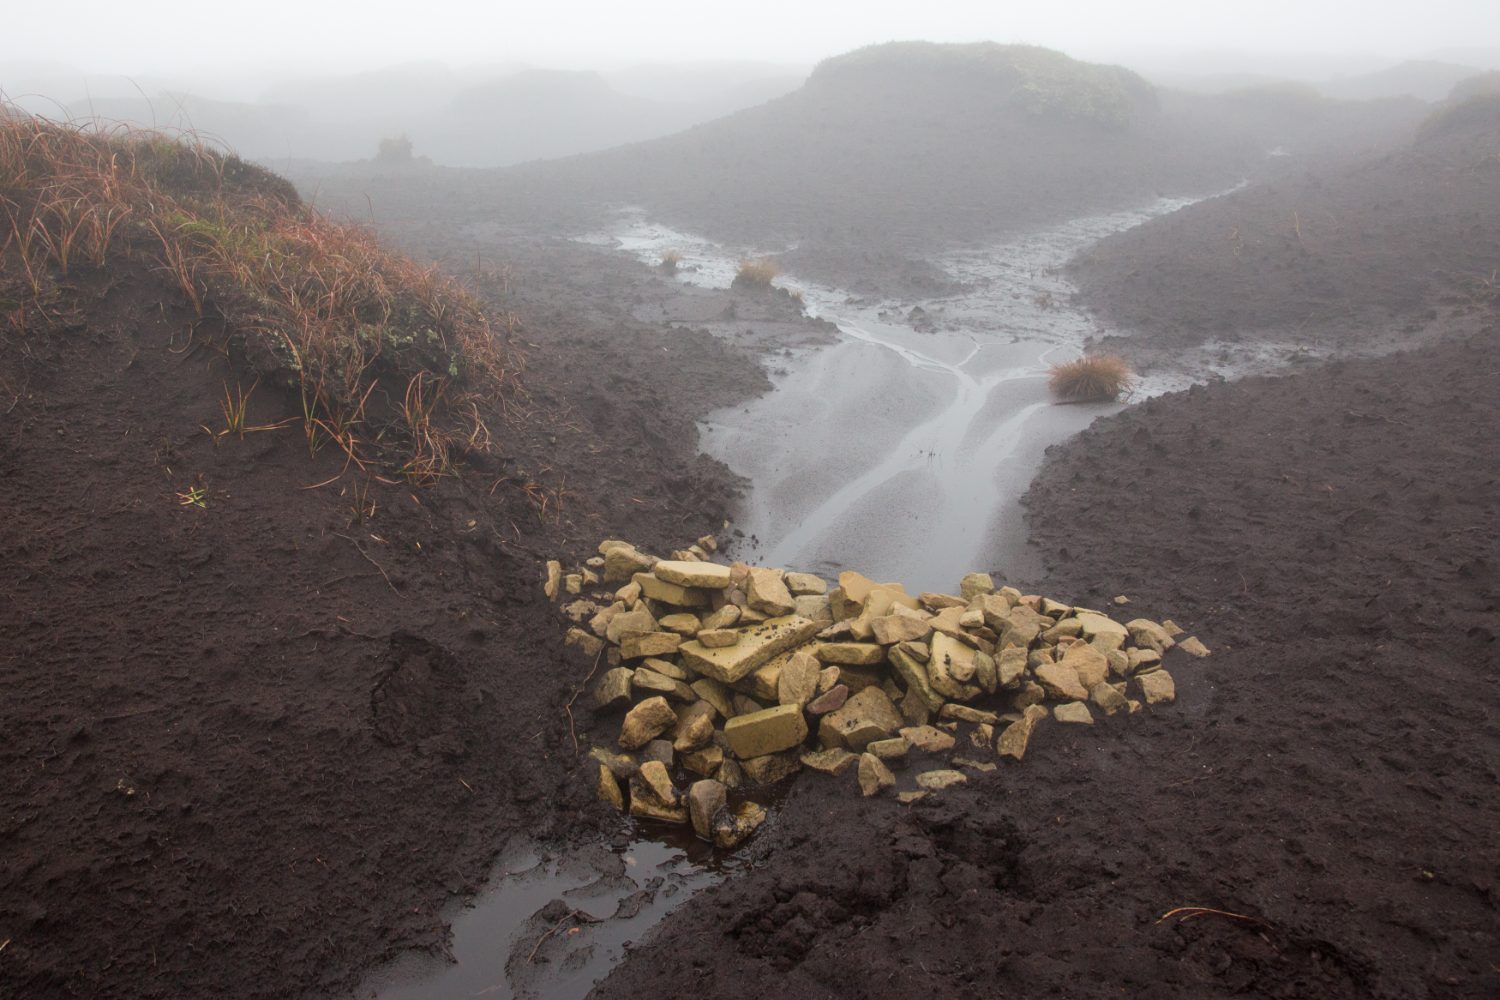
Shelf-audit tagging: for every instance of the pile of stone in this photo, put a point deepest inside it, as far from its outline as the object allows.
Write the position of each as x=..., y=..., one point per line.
x=733, y=676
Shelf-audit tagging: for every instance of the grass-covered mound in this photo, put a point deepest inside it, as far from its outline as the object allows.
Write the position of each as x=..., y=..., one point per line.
x=390, y=359
x=1040, y=83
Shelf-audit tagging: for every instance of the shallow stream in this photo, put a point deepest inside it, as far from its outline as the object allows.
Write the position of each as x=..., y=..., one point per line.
x=903, y=449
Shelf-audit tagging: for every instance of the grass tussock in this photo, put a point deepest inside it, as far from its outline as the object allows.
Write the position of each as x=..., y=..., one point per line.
x=1093, y=378
x=671, y=261
x=390, y=359
x=758, y=272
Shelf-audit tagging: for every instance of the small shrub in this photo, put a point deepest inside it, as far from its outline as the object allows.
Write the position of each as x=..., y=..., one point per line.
x=1093, y=378
x=758, y=272
x=395, y=149
x=671, y=261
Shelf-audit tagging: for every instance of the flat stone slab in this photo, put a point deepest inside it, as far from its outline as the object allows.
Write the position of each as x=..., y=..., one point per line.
x=757, y=645
x=670, y=593
x=766, y=731
x=707, y=575
x=854, y=654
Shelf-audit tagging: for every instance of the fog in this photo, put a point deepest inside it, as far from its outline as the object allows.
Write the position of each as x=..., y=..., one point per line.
x=281, y=80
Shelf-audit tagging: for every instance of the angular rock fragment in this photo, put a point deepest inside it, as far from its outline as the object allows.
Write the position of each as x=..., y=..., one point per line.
x=590, y=646
x=767, y=593
x=936, y=781
x=1157, y=687
x=733, y=827
x=854, y=654
x=1074, y=712
x=1091, y=665
x=716, y=694
x=766, y=731
x=1015, y=737
x=1193, y=647
x=705, y=798
x=814, y=607
x=950, y=668
x=718, y=638
x=657, y=589
x=650, y=682
x=683, y=624
x=1108, y=699
x=694, y=734
x=976, y=584
x=865, y=717
x=953, y=712
x=622, y=562
x=874, y=776
x=1105, y=633
x=1022, y=626
x=705, y=762
x=836, y=760
x=928, y=739
x=888, y=750
x=653, y=774
x=891, y=629
x=645, y=722
x=724, y=617
x=771, y=768
x=829, y=701
x=621, y=765
x=645, y=804
x=609, y=788
x=613, y=688
x=798, y=681
x=659, y=750
x=1147, y=634
x=1061, y=681
x=801, y=584
x=637, y=621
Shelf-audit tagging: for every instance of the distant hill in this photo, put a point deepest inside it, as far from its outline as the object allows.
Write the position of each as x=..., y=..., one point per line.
x=904, y=144
x=1427, y=80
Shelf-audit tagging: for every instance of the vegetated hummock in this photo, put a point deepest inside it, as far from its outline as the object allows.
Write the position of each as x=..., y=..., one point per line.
x=757, y=272
x=1093, y=378
x=307, y=304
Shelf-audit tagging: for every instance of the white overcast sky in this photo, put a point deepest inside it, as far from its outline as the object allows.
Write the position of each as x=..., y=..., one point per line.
x=278, y=36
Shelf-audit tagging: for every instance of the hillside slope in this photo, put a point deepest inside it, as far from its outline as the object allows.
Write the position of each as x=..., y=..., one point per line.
x=1383, y=242
x=276, y=685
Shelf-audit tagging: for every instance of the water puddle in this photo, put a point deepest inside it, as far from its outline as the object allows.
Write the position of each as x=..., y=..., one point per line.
x=904, y=448
x=553, y=923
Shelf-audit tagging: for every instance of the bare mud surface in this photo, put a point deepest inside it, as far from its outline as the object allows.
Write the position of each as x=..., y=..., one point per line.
x=1325, y=775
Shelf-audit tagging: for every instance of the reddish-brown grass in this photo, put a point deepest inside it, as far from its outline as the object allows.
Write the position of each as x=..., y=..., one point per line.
x=323, y=308
x=1093, y=378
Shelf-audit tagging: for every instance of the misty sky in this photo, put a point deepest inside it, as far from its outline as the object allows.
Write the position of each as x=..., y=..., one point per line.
x=281, y=36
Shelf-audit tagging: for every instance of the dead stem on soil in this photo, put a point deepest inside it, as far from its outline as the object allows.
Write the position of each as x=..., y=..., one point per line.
x=1186, y=913
x=577, y=915
x=372, y=562
x=572, y=729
